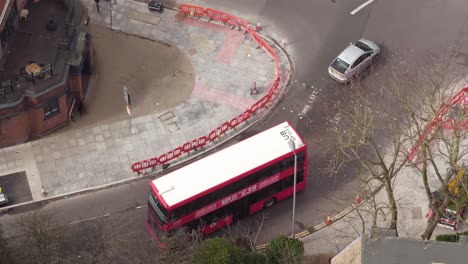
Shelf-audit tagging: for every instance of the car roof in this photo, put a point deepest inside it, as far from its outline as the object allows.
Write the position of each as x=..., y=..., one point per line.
x=350, y=54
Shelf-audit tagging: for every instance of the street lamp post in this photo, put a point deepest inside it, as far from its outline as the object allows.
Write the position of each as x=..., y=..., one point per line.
x=293, y=148
x=110, y=12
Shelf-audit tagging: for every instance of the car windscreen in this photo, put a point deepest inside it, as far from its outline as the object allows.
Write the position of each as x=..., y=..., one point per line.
x=363, y=46
x=340, y=65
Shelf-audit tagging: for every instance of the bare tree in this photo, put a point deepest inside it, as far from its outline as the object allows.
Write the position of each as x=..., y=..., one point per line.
x=245, y=234
x=107, y=239
x=41, y=239
x=426, y=116
x=4, y=249
x=102, y=240
x=116, y=239
x=356, y=142
x=386, y=117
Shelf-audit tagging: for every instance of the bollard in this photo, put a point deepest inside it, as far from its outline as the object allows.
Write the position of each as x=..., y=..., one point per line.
x=357, y=200
x=328, y=221
x=43, y=192
x=258, y=27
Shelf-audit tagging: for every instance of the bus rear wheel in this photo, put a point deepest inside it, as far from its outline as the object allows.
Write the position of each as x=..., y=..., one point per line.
x=270, y=202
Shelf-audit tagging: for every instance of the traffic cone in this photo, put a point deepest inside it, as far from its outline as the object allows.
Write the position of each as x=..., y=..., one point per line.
x=258, y=27
x=357, y=200
x=43, y=192
x=328, y=221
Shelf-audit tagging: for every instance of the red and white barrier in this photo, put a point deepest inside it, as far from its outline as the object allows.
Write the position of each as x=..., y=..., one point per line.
x=241, y=24
x=438, y=121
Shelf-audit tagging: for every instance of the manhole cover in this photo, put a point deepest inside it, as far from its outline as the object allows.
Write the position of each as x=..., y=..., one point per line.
x=166, y=116
x=192, y=51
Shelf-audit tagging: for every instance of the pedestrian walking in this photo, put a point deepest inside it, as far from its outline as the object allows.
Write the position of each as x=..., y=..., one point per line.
x=97, y=6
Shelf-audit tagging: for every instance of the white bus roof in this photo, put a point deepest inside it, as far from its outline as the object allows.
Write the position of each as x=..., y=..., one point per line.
x=226, y=164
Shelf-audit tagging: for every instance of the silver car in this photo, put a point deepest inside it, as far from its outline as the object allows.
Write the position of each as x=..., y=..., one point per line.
x=357, y=57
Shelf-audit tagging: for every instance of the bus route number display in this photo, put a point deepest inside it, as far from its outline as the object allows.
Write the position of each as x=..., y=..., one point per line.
x=287, y=135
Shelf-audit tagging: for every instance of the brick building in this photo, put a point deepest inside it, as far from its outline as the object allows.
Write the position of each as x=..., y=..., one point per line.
x=46, y=61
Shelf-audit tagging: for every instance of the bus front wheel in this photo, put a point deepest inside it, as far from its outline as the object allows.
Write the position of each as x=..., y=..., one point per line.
x=270, y=202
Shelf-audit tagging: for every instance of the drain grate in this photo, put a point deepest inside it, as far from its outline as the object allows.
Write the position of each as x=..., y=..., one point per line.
x=166, y=116
x=167, y=119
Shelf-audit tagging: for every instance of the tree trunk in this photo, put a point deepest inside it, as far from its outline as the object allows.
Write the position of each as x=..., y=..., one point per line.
x=393, y=207
x=432, y=223
x=430, y=227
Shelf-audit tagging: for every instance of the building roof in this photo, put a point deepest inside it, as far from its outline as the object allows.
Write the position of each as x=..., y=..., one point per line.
x=392, y=250
x=226, y=164
x=350, y=255
x=33, y=41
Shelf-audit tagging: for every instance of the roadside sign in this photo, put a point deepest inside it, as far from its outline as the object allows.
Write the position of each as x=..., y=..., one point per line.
x=126, y=95
x=129, y=112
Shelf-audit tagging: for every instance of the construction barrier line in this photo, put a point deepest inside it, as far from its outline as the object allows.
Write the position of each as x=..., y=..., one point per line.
x=242, y=24
x=436, y=122
x=192, y=10
x=216, y=15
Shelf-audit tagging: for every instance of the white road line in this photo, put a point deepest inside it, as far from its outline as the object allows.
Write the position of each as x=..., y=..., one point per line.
x=361, y=7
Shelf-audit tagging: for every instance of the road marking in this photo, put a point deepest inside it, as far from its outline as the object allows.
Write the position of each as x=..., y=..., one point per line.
x=311, y=100
x=361, y=7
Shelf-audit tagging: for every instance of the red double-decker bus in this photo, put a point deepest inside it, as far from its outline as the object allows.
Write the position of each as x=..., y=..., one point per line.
x=240, y=180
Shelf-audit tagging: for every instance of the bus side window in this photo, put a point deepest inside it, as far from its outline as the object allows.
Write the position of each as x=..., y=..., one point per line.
x=300, y=176
x=287, y=182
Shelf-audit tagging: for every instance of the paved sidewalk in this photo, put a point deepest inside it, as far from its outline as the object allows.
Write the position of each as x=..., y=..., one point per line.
x=226, y=64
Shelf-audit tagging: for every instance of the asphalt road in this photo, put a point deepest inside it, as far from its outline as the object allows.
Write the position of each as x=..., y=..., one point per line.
x=315, y=32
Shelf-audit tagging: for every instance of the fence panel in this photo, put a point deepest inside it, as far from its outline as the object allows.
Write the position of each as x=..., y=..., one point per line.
x=216, y=15
x=192, y=10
